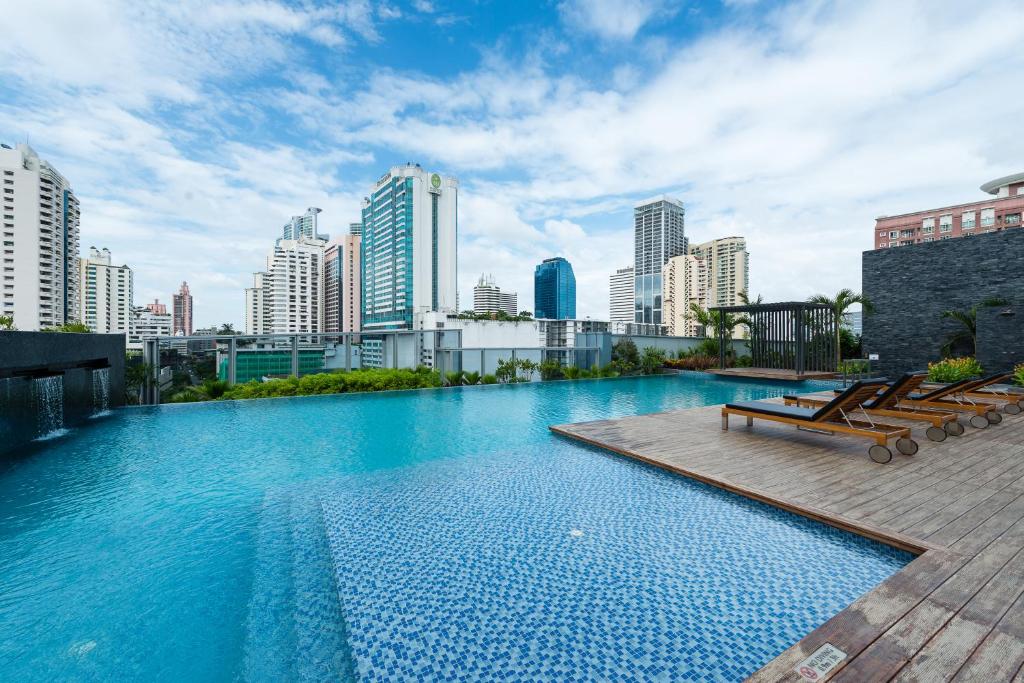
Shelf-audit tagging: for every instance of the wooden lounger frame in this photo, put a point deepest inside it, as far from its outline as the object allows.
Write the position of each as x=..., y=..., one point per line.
x=936, y=417
x=879, y=432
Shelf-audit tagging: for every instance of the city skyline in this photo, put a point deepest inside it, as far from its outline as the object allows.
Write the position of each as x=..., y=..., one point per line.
x=334, y=97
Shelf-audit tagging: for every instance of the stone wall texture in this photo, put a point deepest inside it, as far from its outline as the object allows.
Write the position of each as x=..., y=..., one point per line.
x=911, y=286
x=26, y=357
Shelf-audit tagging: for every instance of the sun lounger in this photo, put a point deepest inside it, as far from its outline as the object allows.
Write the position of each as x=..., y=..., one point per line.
x=835, y=417
x=954, y=397
x=888, y=403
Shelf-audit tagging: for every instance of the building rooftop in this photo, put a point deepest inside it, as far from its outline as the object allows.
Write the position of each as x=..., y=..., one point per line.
x=993, y=186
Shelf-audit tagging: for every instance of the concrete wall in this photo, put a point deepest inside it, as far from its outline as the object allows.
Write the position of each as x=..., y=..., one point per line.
x=911, y=286
x=672, y=345
x=26, y=356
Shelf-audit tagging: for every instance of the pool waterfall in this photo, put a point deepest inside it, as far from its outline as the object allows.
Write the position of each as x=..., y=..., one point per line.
x=48, y=399
x=100, y=392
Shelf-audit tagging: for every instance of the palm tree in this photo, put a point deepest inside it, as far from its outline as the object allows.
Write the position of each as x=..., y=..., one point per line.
x=710, y=321
x=227, y=328
x=840, y=305
x=7, y=322
x=967, y=333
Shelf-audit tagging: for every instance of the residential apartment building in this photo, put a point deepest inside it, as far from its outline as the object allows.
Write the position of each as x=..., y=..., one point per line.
x=151, y=320
x=182, y=322
x=1002, y=211
x=554, y=290
x=409, y=250
x=355, y=228
x=714, y=273
x=303, y=226
x=683, y=286
x=342, y=284
x=488, y=298
x=106, y=292
x=288, y=296
x=658, y=235
x=620, y=296
x=726, y=269
x=40, y=279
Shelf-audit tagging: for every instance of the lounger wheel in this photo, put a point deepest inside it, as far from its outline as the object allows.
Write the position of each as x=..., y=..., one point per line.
x=954, y=428
x=993, y=417
x=935, y=433
x=880, y=454
x=1011, y=409
x=906, y=446
x=979, y=421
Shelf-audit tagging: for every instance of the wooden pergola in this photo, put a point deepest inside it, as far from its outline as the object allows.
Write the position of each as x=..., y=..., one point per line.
x=795, y=336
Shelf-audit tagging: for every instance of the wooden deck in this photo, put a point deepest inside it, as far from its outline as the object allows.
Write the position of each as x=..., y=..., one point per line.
x=771, y=373
x=956, y=612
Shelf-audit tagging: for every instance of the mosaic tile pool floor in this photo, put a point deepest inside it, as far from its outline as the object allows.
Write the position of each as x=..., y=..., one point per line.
x=578, y=566
x=405, y=536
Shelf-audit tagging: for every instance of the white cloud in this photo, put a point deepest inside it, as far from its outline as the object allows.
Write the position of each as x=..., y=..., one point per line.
x=613, y=19
x=795, y=131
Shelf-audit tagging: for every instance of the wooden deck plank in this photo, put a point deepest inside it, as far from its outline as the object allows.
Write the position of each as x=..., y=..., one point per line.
x=957, y=610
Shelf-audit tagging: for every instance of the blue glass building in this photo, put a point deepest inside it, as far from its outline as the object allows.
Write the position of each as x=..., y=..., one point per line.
x=554, y=290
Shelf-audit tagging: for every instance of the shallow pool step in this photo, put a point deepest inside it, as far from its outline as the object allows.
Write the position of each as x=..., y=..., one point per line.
x=270, y=641
x=321, y=649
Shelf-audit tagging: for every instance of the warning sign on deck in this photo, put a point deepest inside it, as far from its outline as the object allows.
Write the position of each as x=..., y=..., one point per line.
x=819, y=664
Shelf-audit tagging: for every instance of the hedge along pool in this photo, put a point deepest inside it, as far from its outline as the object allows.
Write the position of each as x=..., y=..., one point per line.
x=402, y=535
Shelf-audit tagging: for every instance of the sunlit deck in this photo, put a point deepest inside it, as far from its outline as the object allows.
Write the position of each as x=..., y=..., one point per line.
x=771, y=373
x=955, y=612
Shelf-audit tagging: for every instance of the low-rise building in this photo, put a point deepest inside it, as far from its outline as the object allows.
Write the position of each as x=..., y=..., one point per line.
x=1002, y=211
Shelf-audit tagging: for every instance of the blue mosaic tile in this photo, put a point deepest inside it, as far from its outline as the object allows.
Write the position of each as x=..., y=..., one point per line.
x=576, y=565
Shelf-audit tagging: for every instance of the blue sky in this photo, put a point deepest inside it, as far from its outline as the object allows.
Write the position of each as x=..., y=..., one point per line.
x=192, y=130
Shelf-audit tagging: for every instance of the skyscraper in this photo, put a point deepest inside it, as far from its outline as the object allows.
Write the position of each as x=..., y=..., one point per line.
x=106, y=293
x=488, y=298
x=40, y=242
x=355, y=228
x=620, y=299
x=554, y=290
x=183, y=311
x=684, y=285
x=303, y=226
x=409, y=255
x=714, y=273
x=658, y=230
x=342, y=285
x=288, y=296
x=727, y=269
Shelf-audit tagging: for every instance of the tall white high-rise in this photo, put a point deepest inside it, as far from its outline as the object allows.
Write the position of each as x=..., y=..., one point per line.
x=728, y=269
x=288, y=296
x=488, y=298
x=106, y=293
x=658, y=235
x=303, y=226
x=620, y=299
x=342, y=289
x=40, y=286
x=409, y=255
x=684, y=276
x=714, y=273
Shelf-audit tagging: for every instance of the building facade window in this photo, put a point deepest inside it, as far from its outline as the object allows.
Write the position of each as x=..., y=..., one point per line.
x=928, y=231
x=988, y=217
x=928, y=223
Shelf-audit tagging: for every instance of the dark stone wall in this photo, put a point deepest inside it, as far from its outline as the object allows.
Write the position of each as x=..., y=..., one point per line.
x=911, y=286
x=26, y=356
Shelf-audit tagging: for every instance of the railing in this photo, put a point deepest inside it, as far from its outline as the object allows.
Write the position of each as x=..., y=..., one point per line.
x=245, y=357
x=855, y=369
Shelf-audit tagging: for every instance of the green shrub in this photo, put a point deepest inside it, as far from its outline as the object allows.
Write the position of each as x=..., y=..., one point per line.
x=1018, y=375
x=506, y=371
x=471, y=378
x=526, y=369
x=550, y=369
x=953, y=370
x=652, y=360
x=370, y=379
x=707, y=347
x=625, y=356
x=452, y=378
x=571, y=372
x=744, y=362
x=489, y=379
x=606, y=371
x=694, y=362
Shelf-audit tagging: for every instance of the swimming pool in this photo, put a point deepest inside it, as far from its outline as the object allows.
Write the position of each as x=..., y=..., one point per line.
x=402, y=535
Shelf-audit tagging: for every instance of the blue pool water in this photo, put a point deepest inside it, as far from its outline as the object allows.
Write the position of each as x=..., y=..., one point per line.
x=406, y=535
